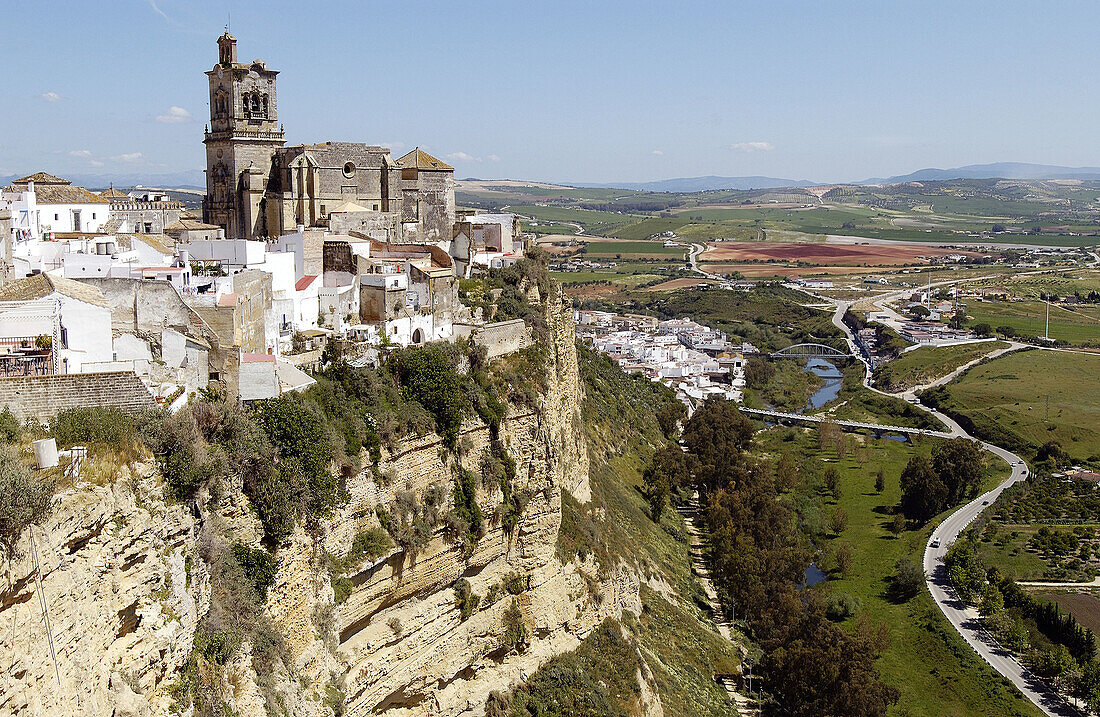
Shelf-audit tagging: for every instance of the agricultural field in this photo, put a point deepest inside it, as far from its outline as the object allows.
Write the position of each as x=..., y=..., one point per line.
x=927, y=661
x=620, y=249
x=951, y=212
x=1085, y=607
x=1027, y=398
x=925, y=364
x=1078, y=324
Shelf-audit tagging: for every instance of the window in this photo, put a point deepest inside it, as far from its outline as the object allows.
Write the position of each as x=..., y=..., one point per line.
x=93, y=215
x=55, y=217
x=322, y=210
x=349, y=170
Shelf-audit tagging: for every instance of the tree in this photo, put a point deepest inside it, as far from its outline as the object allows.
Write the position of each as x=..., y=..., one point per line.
x=880, y=480
x=907, y=579
x=786, y=472
x=919, y=312
x=964, y=569
x=669, y=416
x=983, y=329
x=843, y=558
x=838, y=520
x=922, y=492
x=832, y=482
x=959, y=464
x=824, y=670
x=897, y=525
x=669, y=471
x=717, y=435
x=992, y=602
x=758, y=372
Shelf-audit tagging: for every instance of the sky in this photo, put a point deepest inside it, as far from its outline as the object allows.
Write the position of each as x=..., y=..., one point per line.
x=583, y=91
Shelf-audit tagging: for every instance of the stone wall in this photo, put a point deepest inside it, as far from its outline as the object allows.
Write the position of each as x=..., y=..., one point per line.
x=503, y=337
x=41, y=397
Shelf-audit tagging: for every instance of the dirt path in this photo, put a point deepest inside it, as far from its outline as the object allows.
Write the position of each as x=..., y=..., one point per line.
x=697, y=548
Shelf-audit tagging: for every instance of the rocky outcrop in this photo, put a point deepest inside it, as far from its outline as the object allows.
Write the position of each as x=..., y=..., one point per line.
x=121, y=607
x=125, y=588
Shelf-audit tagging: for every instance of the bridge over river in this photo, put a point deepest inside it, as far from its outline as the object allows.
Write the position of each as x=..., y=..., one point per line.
x=782, y=416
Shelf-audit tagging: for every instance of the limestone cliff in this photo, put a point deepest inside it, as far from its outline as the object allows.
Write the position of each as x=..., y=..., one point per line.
x=124, y=585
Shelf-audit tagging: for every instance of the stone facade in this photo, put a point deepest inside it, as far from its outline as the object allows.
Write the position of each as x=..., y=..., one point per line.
x=258, y=188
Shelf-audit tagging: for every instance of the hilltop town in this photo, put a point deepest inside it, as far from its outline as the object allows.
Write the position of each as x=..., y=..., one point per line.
x=295, y=246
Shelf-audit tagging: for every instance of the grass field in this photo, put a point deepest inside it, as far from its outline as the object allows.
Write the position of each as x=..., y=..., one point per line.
x=597, y=249
x=594, y=222
x=586, y=277
x=1028, y=318
x=925, y=364
x=1007, y=401
x=935, y=671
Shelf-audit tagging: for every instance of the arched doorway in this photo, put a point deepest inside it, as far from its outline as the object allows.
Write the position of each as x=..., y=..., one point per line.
x=418, y=337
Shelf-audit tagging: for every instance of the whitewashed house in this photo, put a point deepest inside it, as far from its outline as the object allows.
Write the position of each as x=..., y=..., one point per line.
x=75, y=316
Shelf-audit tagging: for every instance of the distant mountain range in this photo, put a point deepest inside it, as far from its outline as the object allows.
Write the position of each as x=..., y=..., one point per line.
x=700, y=184
x=196, y=178
x=187, y=179
x=997, y=170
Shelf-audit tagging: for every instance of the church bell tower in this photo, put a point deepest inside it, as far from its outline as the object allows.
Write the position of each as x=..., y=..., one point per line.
x=241, y=140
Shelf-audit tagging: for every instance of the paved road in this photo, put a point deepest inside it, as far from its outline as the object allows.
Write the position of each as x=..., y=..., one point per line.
x=965, y=619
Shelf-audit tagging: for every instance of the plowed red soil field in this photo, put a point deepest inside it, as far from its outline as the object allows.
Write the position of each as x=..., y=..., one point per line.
x=821, y=253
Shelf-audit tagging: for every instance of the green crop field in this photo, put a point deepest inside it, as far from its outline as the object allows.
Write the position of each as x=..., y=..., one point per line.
x=1076, y=325
x=597, y=249
x=1024, y=399
x=925, y=364
x=935, y=671
x=593, y=222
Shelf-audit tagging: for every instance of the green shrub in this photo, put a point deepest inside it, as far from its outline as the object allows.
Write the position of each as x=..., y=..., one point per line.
x=10, y=430
x=466, y=508
x=372, y=543
x=258, y=566
x=24, y=500
x=465, y=599
x=516, y=635
x=91, y=425
x=427, y=375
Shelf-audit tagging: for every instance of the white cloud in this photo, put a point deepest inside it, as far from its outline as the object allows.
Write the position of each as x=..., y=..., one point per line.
x=751, y=146
x=52, y=97
x=462, y=157
x=175, y=115
x=657, y=152
x=129, y=158
x=392, y=146
x=494, y=158
x=85, y=153
x=96, y=163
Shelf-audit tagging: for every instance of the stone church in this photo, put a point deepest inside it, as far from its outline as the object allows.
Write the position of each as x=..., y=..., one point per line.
x=256, y=187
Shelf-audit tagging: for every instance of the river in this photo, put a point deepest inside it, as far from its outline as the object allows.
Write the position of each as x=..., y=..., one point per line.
x=830, y=389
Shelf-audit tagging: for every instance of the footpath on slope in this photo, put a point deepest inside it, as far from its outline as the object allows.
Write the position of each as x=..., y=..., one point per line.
x=697, y=548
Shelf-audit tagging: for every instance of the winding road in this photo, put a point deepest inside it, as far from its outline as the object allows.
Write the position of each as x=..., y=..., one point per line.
x=965, y=620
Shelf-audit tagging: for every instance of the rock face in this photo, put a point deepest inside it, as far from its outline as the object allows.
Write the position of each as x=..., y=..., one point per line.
x=124, y=592
x=121, y=608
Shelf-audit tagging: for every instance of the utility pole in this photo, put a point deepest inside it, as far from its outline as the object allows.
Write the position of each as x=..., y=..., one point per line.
x=1048, y=319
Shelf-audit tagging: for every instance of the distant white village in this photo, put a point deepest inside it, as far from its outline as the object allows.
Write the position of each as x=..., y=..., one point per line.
x=696, y=361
